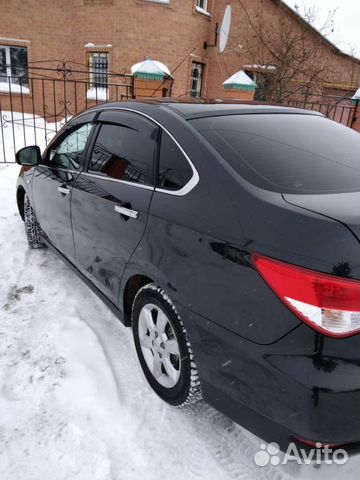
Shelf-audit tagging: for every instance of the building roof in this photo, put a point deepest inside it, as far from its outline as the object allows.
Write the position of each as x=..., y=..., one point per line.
x=357, y=95
x=300, y=19
x=151, y=68
x=240, y=79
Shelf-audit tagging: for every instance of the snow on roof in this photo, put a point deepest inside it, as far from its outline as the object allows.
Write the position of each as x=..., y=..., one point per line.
x=150, y=67
x=240, y=78
x=92, y=45
x=262, y=67
x=357, y=95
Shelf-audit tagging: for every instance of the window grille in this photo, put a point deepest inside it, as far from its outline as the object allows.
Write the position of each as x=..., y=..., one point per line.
x=99, y=69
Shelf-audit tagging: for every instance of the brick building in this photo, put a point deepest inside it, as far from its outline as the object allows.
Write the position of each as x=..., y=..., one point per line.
x=110, y=36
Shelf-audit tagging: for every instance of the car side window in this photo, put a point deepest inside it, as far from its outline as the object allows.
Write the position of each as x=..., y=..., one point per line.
x=174, y=170
x=68, y=152
x=126, y=151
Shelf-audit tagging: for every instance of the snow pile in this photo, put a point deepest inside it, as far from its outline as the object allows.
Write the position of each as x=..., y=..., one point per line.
x=74, y=404
x=100, y=94
x=13, y=88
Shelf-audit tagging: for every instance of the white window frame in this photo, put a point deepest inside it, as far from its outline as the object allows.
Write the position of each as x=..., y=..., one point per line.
x=202, y=7
x=9, y=77
x=163, y=2
x=7, y=59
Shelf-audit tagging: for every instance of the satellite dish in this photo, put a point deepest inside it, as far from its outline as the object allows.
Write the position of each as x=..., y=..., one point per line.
x=225, y=29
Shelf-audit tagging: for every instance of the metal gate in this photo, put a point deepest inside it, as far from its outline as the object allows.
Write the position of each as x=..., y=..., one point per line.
x=34, y=108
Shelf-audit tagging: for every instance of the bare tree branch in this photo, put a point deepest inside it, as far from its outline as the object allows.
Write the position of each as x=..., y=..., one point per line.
x=291, y=59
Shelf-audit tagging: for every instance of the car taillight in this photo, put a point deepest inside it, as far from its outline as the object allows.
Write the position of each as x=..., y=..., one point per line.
x=330, y=305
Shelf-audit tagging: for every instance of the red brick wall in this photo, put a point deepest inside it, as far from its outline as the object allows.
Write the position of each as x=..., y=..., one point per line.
x=136, y=29
x=344, y=72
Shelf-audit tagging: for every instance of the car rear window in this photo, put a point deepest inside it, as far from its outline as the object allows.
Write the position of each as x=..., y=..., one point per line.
x=288, y=153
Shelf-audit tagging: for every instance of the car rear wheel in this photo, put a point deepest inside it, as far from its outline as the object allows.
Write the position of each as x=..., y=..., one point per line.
x=32, y=227
x=163, y=347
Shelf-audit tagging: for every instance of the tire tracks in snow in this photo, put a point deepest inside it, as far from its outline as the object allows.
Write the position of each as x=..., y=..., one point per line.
x=231, y=446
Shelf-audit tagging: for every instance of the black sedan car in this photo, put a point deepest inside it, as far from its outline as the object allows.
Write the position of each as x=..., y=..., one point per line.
x=227, y=236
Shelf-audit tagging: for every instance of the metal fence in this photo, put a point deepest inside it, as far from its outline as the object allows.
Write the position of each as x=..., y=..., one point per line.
x=34, y=108
x=338, y=108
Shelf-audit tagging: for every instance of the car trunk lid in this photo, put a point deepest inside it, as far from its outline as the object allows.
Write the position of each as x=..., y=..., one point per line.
x=343, y=207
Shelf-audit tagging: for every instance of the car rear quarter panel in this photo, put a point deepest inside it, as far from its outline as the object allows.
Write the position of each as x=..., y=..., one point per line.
x=195, y=249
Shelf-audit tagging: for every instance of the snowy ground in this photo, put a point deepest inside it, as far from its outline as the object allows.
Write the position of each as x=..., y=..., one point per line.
x=74, y=404
x=19, y=130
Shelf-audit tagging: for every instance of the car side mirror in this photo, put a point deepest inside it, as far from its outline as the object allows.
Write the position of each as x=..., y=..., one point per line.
x=30, y=156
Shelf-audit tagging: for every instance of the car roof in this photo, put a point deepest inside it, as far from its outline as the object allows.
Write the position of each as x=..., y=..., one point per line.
x=200, y=108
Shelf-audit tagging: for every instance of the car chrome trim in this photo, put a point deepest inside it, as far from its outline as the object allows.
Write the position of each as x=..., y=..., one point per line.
x=126, y=211
x=49, y=167
x=64, y=191
x=194, y=180
x=102, y=177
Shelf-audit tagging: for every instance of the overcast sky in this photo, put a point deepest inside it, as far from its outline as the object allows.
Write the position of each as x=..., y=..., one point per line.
x=346, y=24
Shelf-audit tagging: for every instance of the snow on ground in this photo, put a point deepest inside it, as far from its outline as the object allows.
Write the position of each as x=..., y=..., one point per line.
x=21, y=130
x=74, y=404
x=7, y=87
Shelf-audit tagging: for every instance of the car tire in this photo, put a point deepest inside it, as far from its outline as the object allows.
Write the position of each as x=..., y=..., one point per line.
x=163, y=348
x=32, y=227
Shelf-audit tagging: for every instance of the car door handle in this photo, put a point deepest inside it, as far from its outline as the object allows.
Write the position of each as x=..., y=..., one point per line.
x=127, y=212
x=64, y=190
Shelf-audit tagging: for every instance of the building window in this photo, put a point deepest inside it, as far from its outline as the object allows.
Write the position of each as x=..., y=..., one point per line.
x=202, y=6
x=98, y=76
x=197, y=74
x=98, y=69
x=13, y=66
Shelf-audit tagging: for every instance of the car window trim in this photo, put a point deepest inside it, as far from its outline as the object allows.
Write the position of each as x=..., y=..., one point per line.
x=125, y=182
x=194, y=180
x=60, y=169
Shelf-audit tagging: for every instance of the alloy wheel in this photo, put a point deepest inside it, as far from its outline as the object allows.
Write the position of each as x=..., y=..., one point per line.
x=159, y=345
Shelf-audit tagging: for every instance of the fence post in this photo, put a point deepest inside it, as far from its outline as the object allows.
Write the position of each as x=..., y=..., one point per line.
x=356, y=118
x=355, y=124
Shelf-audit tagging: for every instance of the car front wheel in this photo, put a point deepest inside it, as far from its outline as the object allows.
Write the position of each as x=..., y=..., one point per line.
x=32, y=227
x=163, y=347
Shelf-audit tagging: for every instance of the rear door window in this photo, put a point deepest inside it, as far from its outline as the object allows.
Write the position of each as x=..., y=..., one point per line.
x=126, y=151
x=288, y=153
